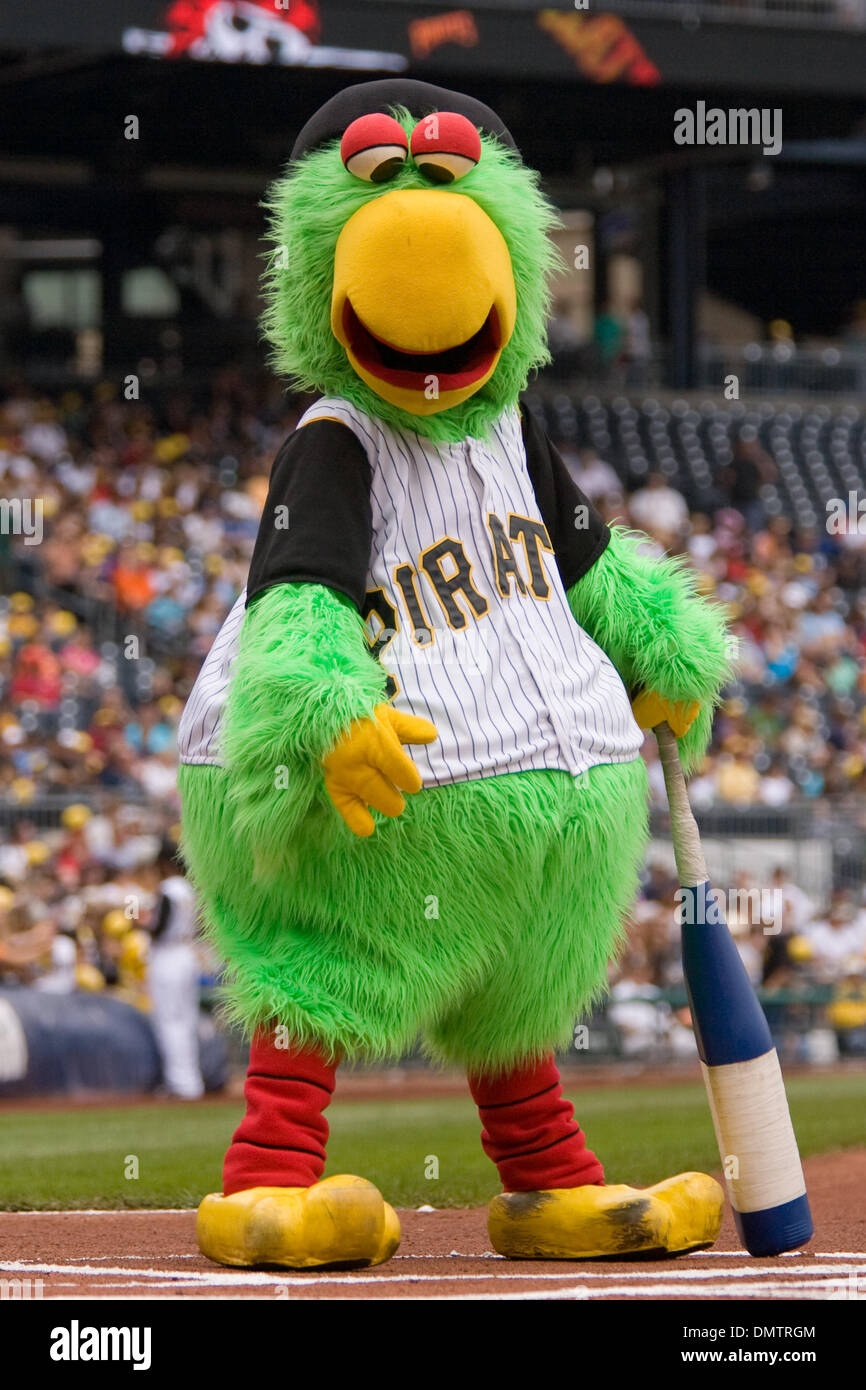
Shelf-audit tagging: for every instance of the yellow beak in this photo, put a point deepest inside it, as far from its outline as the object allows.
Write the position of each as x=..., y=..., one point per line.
x=423, y=300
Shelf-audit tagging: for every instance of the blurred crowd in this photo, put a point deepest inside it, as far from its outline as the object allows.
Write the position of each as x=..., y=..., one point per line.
x=793, y=725
x=148, y=519
x=805, y=954
x=79, y=900
x=148, y=529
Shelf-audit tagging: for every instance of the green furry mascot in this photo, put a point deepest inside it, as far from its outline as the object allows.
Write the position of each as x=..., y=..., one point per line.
x=413, y=798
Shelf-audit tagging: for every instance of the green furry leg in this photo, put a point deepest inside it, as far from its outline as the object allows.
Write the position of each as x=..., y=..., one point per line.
x=560, y=949
x=497, y=901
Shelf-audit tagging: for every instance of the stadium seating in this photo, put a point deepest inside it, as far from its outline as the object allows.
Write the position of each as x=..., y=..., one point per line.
x=819, y=453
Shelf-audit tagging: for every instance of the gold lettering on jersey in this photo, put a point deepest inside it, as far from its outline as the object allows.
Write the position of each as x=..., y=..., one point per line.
x=504, y=558
x=458, y=584
x=406, y=580
x=534, y=537
x=381, y=623
x=448, y=568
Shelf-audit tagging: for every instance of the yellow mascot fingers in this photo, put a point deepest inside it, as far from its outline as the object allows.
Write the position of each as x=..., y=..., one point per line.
x=368, y=767
x=352, y=809
x=409, y=728
x=650, y=709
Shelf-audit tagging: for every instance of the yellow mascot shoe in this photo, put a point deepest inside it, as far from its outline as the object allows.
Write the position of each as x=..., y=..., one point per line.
x=585, y=1223
x=341, y=1221
x=696, y=1204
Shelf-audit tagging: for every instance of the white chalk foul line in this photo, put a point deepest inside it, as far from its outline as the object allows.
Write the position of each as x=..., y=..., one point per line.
x=253, y=1278
x=105, y=1211
x=785, y=1255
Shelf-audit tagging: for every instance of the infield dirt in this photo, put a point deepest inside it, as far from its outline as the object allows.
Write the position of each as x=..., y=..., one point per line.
x=443, y=1254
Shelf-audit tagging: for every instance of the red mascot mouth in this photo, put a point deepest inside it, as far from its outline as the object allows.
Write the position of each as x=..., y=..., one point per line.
x=454, y=367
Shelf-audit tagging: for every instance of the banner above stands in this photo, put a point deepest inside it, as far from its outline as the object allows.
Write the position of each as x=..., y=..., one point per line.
x=510, y=41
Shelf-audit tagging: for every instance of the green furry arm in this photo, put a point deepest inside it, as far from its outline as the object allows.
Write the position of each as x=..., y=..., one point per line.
x=303, y=673
x=659, y=633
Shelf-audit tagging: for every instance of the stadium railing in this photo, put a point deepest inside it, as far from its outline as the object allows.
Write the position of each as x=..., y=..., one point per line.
x=784, y=367
x=820, y=842
x=779, y=368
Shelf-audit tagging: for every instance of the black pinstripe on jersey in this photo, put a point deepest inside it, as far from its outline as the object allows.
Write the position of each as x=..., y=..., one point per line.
x=503, y=671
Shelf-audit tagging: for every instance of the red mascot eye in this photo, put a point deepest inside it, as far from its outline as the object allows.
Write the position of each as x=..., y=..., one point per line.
x=445, y=146
x=374, y=148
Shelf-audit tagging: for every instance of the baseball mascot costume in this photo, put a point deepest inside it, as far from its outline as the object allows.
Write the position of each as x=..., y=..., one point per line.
x=414, y=802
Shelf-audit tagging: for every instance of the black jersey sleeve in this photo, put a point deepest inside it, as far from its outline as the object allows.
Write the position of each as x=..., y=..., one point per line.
x=576, y=528
x=316, y=527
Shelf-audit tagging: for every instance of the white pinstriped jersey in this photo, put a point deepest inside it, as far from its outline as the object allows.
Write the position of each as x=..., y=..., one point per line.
x=467, y=613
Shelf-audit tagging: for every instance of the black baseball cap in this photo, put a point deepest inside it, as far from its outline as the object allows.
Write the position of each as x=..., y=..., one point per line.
x=370, y=98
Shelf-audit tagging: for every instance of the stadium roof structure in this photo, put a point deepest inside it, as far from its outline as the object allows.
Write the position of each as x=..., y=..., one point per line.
x=226, y=84
x=792, y=45
x=221, y=88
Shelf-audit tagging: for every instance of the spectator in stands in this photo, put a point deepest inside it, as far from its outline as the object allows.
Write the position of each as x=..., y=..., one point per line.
x=133, y=579
x=660, y=510
x=637, y=346
x=562, y=335
x=60, y=554
x=24, y=943
x=36, y=676
x=737, y=779
x=61, y=976
x=701, y=543
x=593, y=476
x=846, y=1014
x=750, y=469
x=608, y=335
x=775, y=789
x=796, y=907
x=838, y=940
x=15, y=853
x=634, y=1007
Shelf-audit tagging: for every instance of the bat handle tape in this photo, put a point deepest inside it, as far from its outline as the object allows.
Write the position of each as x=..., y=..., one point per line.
x=691, y=865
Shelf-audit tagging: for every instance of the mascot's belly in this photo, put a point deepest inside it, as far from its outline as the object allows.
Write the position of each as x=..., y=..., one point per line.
x=484, y=916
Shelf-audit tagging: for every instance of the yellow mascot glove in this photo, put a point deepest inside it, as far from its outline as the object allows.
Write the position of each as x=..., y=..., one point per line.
x=650, y=709
x=367, y=767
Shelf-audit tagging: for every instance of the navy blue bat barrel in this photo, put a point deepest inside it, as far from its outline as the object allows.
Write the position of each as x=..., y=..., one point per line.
x=744, y=1083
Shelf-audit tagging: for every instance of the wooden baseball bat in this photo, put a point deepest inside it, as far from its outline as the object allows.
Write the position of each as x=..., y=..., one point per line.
x=740, y=1065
